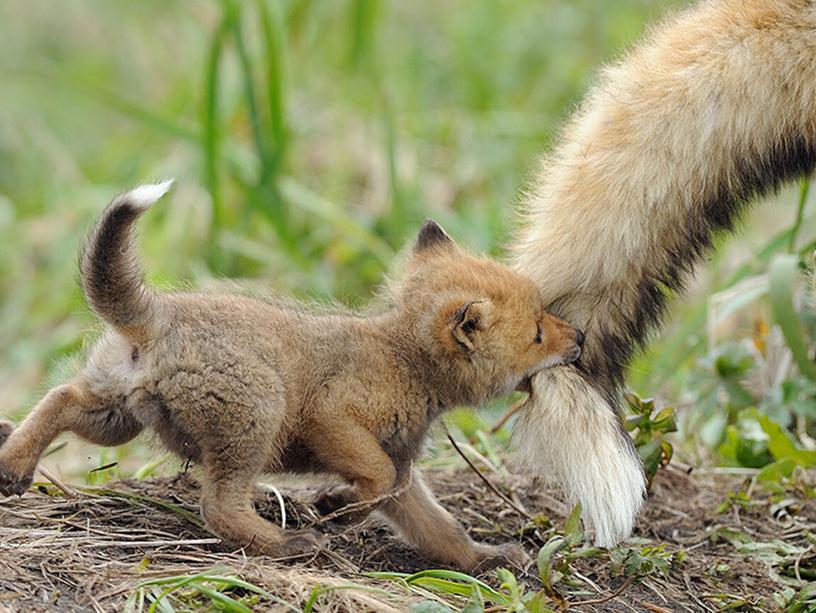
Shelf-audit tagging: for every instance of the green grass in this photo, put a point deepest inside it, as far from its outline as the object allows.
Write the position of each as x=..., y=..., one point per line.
x=309, y=140
x=204, y=591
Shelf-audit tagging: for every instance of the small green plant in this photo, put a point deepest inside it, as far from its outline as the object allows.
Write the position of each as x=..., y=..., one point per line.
x=732, y=499
x=650, y=427
x=204, y=590
x=319, y=590
x=797, y=601
x=454, y=583
x=560, y=581
x=640, y=561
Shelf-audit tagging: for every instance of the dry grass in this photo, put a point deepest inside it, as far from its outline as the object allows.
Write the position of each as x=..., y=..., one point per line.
x=92, y=550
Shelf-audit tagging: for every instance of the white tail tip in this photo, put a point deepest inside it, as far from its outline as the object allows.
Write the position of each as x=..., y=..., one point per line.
x=145, y=195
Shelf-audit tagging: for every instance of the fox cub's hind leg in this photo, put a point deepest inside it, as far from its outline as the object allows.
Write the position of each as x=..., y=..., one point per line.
x=238, y=441
x=434, y=531
x=67, y=407
x=226, y=504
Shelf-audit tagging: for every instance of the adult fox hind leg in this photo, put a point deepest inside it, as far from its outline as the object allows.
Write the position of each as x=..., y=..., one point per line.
x=714, y=109
x=435, y=532
x=68, y=407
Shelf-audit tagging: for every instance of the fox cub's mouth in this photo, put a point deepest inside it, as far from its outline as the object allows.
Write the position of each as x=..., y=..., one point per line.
x=569, y=357
x=576, y=350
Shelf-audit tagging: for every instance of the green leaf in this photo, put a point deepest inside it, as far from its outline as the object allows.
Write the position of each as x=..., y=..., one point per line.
x=781, y=446
x=545, y=562
x=665, y=420
x=508, y=582
x=783, y=272
x=572, y=529
x=777, y=470
x=475, y=602
x=432, y=606
x=337, y=216
x=222, y=601
x=445, y=582
x=651, y=454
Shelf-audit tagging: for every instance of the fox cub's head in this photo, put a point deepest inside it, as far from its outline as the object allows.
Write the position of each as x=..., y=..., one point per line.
x=484, y=324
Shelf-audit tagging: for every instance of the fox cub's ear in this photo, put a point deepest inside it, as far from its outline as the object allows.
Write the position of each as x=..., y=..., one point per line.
x=469, y=320
x=431, y=236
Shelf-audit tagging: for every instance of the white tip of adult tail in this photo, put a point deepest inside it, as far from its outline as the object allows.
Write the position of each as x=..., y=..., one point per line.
x=145, y=195
x=568, y=433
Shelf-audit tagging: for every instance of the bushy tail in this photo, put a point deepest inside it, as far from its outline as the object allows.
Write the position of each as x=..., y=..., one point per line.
x=713, y=110
x=112, y=279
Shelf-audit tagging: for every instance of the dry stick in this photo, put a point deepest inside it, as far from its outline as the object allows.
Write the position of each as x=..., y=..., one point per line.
x=487, y=482
x=587, y=580
x=799, y=561
x=365, y=504
x=157, y=543
x=687, y=581
x=653, y=607
x=615, y=594
x=514, y=408
x=57, y=483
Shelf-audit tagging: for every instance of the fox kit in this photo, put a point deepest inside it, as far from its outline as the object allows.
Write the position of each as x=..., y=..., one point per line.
x=245, y=387
x=717, y=107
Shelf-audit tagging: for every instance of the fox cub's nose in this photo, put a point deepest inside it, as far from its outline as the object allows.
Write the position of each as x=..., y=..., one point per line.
x=579, y=338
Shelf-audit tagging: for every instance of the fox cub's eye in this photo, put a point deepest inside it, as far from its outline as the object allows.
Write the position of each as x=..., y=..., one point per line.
x=537, y=339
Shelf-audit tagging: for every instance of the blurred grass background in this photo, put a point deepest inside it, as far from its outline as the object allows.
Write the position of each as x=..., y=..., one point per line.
x=309, y=140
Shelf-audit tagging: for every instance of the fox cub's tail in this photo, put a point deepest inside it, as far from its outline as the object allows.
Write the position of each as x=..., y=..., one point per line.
x=112, y=279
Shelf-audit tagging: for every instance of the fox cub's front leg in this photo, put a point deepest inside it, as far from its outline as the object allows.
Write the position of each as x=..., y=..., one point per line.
x=350, y=450
x=434, y=531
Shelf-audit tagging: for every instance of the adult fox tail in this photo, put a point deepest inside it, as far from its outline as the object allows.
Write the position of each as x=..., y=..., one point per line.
x=715, y=108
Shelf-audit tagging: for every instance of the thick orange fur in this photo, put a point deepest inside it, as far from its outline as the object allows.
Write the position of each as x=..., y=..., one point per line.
x=716, y=107
x=244, y=387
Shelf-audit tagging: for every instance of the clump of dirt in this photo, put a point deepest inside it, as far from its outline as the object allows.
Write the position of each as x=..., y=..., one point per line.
x=90, y=550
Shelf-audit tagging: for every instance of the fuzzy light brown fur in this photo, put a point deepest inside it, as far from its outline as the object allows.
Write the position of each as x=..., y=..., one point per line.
x=715, y=108
x=244, y=387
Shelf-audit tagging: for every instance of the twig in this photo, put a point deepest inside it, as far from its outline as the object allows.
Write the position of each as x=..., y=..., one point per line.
x=615, y=594
x=799, y=561
x=57, y=483
x=588, y=581
x=87, y=529
x=279, y=496
x=365, y=504
x=653, y=607
x=681, y=467
x=487, y=482
x=97, y=607
x=656, y=591
x=514, y=408
x=480, y=457
x=691, y=593
x=737, y=471
x=162, y=543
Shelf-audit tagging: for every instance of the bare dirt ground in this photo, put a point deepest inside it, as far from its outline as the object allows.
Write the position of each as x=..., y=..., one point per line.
x=91, y=549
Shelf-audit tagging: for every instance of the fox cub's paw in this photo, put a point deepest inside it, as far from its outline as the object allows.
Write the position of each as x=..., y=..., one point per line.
x=493, y=556
x=333, y=499
x=307, y=542
x=11, y=482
